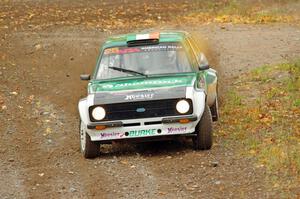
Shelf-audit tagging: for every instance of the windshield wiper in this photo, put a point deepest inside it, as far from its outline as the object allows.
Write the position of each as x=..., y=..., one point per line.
x=128, y=71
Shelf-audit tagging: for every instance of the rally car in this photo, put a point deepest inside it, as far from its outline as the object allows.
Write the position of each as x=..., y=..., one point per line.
x=148, y=86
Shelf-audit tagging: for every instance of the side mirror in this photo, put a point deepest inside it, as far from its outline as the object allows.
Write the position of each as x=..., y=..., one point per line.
x=85, y=77
x=203, y=62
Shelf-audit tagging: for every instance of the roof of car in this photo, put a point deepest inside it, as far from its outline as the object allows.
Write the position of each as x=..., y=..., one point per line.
x=164, y=36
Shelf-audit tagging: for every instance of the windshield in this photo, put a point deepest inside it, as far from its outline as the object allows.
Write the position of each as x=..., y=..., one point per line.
x=164, y=58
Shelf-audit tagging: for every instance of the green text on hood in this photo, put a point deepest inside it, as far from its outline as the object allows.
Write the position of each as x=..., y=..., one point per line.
x=142, y=83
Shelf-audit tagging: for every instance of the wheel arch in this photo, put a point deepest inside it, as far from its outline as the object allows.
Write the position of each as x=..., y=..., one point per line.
x=83, y=111
x=212, y=87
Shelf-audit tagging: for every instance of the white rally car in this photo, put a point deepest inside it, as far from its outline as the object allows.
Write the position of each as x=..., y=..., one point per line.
x=146, y=87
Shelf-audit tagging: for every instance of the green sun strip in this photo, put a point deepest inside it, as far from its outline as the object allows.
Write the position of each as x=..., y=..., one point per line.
x=139, y=82
x=142, y=83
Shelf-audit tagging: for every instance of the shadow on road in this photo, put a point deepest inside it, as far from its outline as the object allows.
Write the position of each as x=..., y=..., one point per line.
x=157, y=148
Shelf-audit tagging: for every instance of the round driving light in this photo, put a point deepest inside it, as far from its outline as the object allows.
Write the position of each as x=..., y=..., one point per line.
x=182, y=106
x=98, y=113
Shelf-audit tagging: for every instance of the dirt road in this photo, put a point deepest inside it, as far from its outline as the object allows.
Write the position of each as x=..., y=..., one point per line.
x=39, y=149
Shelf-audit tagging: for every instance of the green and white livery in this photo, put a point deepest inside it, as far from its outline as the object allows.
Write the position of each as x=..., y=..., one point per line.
x=149, y=86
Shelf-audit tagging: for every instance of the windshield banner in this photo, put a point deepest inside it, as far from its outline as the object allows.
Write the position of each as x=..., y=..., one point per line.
x=150, y=48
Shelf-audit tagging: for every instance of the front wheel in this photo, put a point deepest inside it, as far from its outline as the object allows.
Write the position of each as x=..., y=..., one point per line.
x=214, y=109
x=203, y=139
x=88, y=148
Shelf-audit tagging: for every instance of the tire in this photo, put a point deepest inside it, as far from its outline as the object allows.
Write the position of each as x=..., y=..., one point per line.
x=88, y=148
x=204, y=136
x=214, y=109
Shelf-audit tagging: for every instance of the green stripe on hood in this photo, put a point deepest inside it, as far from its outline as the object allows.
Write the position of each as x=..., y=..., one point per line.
x=142, y=83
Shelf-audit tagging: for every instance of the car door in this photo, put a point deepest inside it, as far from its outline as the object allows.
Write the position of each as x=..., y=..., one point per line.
x=209, y=75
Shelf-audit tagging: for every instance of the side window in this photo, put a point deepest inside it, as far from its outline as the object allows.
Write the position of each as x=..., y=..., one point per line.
x=192, y=46
x=195, y=43
x=192, y=54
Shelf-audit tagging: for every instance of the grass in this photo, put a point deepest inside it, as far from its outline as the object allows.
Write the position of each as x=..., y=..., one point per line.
x=267, y=125
x=247, y=12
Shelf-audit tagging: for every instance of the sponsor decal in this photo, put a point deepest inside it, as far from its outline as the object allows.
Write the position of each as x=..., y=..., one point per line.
x=121, y=51
x=111, y=51
x=161, y=48
x=140, y=96
x=110, y=135
x=149, y=82
x=177, y=129
x=137, y=133
x=126, y=50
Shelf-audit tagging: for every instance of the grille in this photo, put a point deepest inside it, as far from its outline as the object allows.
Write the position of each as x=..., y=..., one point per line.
x=128, y=110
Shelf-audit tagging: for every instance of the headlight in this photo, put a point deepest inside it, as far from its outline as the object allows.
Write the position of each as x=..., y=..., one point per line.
x=98, y=113
x=182, y=106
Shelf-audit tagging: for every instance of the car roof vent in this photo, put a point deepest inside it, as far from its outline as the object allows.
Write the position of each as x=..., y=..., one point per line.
x=143, y=39
x=142, y=42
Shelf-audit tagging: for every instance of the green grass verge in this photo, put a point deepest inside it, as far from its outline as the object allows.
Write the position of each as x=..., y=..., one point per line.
x=262, y=112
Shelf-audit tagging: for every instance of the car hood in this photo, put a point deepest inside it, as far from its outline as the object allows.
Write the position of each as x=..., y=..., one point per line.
x=141, y=89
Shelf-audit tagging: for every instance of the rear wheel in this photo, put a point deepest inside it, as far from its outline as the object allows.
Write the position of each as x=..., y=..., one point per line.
x=203, y=139
x=89, y=148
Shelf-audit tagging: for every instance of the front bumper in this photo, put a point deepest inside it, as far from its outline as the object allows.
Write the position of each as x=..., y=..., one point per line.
x=142, y=128
x=166, y=120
